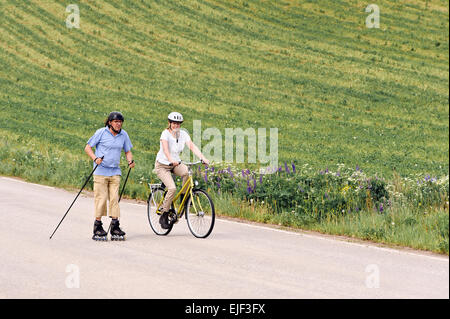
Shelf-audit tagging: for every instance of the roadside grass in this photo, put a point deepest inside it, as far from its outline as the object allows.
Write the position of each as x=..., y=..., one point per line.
x=404, y=227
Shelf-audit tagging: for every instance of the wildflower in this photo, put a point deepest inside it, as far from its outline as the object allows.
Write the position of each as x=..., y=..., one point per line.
x=286, y=167
x=293, y=167
x=260, y=179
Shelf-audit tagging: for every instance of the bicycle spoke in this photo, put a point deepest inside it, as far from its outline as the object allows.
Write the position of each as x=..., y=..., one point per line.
x=200, y=214
x=154, y=203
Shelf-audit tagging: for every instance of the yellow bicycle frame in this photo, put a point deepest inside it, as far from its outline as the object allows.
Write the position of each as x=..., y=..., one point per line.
x=187, y=191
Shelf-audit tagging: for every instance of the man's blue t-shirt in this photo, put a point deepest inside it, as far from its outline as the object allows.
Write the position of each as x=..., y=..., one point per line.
x=110, y=146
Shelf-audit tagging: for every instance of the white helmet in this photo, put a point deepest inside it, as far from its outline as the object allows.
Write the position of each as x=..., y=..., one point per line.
x=175, y=117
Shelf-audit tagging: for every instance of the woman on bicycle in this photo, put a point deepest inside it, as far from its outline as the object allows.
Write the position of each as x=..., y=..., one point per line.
x=168, y=160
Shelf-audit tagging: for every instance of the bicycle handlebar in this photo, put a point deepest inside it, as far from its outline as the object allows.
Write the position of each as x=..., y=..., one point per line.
x=187, y=163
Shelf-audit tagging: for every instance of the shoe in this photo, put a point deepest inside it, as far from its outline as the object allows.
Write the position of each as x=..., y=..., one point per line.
x=116, y=232
x=164, y=220
x=99, y=232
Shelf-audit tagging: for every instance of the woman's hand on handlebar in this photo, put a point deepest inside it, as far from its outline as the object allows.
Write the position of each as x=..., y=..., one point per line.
x=175, y=163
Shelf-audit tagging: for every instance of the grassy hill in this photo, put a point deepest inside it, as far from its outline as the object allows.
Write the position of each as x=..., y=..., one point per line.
x=338, y=92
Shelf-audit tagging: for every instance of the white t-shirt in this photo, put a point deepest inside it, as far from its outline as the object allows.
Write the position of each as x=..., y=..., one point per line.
x=175, y=147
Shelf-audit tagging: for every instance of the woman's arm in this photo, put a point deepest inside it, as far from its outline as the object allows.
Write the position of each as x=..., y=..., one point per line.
x=197, y=152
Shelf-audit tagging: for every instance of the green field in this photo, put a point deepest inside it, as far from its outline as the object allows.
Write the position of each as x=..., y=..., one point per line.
x=338, y=92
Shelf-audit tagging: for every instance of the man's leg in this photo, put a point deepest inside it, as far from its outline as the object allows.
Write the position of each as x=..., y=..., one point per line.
x=100, y=196
x=113, y=190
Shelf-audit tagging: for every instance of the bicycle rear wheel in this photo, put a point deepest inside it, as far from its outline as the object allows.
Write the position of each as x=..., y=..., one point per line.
x=200, y=214
x=156, y=197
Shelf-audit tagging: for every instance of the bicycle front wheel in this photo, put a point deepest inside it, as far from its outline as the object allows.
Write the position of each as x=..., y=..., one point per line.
x=156, y=197
x=200, y=214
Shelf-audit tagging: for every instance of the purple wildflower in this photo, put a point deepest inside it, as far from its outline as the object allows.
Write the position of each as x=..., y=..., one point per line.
x=357, y=167
x=286, y=167
x=293, y=167
x=381, y=208
x=260, y=179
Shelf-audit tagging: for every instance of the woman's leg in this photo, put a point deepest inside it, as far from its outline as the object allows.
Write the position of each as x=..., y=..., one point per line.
x=164, y=174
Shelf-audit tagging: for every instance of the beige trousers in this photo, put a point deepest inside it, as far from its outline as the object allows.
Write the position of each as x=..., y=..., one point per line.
x=165, y=175
x=106, y=188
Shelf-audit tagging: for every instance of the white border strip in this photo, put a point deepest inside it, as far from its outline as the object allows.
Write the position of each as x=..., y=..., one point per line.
x=28, y=183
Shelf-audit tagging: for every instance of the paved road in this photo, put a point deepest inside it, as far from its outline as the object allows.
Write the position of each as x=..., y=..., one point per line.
x=238, y=260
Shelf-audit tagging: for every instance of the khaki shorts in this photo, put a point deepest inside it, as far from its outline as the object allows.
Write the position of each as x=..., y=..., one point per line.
x=164, y=173
x=106, y=188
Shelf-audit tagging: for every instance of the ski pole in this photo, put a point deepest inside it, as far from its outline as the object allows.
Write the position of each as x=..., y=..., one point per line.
x=123, y=187
x=87, y=180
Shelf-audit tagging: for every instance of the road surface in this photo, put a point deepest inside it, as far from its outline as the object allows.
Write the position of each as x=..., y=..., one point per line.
x=238, y=260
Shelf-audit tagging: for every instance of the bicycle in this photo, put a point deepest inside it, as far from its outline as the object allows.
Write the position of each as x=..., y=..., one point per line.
x=196, y=204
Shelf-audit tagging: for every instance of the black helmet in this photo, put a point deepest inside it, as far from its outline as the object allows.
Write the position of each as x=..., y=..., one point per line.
x=115, y=116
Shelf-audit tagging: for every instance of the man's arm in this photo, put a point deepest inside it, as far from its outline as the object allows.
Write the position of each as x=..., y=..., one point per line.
x=129, y=157
x=90, y=153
